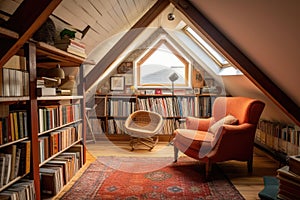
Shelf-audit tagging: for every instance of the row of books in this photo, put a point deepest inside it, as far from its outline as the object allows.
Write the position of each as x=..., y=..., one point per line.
x=14, y=126
x=58, y=140
x=279, y=137
x=179, y=106
x=14, y=82
x=168, y=106
x=120, y=107
x=53, y=116
x=22, y=190
x=205, y=106
x=14, y=161
x=72, y=46
x=59, y=171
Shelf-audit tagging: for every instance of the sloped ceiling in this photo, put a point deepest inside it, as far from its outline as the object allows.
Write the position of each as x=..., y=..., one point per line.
x=266, y=31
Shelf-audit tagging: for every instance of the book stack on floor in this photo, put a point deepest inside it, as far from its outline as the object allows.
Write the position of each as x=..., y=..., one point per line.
x=73, y=46
x=289, y=179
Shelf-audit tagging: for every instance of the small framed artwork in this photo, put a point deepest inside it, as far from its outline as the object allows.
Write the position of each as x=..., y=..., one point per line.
x=128, y=79
x=117, y=83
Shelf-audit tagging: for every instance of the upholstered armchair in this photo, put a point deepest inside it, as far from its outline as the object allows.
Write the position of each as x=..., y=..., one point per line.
x=227, y=135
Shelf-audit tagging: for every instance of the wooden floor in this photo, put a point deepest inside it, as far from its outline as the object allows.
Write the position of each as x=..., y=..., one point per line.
x=249, y=185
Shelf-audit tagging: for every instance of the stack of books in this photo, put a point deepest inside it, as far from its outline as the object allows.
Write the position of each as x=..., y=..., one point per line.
x=42, y=90
x=289, y=179
x=73, y=46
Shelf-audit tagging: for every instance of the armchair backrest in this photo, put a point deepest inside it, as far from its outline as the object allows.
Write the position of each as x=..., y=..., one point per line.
x=246, y=110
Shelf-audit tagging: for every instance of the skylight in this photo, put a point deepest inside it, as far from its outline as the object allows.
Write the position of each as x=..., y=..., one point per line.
x=217, y=57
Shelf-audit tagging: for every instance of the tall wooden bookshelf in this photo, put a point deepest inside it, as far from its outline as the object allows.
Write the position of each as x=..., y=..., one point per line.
x=62, y=116
x=113, y=110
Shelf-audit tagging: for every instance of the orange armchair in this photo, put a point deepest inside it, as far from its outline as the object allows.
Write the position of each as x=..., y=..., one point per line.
x=227, y=135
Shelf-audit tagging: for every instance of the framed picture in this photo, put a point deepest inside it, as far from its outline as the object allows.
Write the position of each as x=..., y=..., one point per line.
x=128, y=79
x=117, y=83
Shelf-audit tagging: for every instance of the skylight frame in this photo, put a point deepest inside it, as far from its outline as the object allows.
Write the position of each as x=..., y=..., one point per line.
x=208, y=48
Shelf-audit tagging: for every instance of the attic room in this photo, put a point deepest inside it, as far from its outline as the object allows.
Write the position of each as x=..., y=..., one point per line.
x=185, y=66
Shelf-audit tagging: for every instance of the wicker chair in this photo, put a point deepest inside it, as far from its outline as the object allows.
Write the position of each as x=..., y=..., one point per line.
x=142, y=126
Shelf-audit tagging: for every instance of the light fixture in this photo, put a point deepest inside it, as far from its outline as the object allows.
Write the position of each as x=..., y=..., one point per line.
x=173, y=77
x=171, y=15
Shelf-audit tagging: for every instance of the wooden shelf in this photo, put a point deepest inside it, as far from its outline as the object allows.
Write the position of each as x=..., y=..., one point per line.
x=13, y=142
x=50, y=56
x=47, y=98
x=53, y=156
x=56, y=128
x=12, y=182
x=8, y=33
x=12, y=99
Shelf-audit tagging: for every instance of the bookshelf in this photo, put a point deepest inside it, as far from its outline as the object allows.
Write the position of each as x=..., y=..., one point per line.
x=112, y=110
x=279, y=139
x=42, y=134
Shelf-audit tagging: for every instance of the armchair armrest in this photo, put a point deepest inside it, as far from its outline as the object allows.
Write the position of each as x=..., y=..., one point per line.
x=201, y=124
x=237, y=128
x=243, y=132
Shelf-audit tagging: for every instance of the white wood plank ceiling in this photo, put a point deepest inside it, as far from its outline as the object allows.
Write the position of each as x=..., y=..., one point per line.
x=104, y=17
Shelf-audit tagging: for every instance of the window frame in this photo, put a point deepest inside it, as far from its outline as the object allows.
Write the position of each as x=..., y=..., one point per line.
x=142, y=59
x=202, y=46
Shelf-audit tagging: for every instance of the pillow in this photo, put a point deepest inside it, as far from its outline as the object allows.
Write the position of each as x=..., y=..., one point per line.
x=229, y=119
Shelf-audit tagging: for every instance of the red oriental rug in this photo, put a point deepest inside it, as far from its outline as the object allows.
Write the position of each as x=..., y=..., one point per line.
x=133, y=178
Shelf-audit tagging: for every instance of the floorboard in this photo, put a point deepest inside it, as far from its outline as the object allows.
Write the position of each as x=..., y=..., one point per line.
x=248, y=185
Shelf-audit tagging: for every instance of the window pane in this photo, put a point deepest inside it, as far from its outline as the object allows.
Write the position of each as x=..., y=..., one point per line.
x=160, y=65
x=211, y=50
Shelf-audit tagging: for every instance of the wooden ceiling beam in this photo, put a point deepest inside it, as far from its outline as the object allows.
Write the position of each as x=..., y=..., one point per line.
x=124, y=42
x=241, y=61
x=28, y=17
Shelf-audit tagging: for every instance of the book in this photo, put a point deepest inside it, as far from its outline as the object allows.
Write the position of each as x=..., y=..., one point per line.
x=65, y=42
x=54, y=143
x=7, y=170
x=25, y=147
x=45, y=91
x=17, y=163
x=64, y=165
x=2, y=169
x=78, y=149
x=13, y=152
x=5, y=82
x=12, y=82
x=51, y=180
x=21, y=192
x=26, y=187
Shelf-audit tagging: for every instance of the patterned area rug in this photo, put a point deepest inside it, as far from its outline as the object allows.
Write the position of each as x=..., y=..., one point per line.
x=150, y=178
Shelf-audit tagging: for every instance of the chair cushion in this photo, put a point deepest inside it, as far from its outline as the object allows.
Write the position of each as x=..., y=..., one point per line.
x=229, y=119
x=193, y=139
